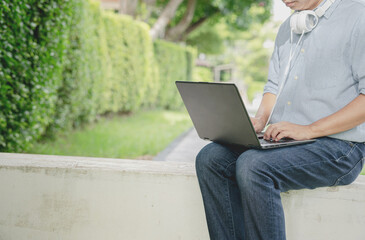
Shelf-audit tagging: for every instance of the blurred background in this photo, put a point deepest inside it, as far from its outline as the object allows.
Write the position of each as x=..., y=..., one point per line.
x=97, y=78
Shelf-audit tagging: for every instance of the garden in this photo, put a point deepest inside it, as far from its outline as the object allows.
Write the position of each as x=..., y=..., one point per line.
x=77, y=79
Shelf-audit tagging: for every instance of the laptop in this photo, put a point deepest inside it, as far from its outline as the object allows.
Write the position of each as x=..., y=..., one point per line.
x=219, y=115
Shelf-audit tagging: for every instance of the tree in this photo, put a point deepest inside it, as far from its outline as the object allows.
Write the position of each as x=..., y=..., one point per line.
x=176, y=19
x=248, y=50
x=167, y=14
x=233, y=12
x=177, y=31
x=210, y=39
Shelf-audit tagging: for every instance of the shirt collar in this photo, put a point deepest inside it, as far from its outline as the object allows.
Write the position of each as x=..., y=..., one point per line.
x=330, y=10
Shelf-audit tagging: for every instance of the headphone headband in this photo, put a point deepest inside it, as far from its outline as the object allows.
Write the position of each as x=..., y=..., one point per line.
x=322, y=10
x=306, y=20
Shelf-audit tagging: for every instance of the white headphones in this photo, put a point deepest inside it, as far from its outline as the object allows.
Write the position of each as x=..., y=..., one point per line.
x=305, y=21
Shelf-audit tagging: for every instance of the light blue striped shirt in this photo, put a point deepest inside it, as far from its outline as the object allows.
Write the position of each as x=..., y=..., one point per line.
x=327, y=70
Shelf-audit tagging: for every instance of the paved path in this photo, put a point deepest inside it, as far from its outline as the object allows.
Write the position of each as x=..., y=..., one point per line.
x=184, y=148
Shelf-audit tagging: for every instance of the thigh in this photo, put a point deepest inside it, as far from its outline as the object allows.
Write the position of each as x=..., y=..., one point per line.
x=326, y=162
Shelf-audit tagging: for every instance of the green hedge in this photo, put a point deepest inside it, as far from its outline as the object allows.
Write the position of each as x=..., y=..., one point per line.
x=81, y=70
x=69, y=61
x=175, y=64
x=202, y=74
x=32, y=39
x=131, y=53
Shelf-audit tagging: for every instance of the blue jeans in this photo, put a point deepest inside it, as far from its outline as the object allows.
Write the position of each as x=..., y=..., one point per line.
x=241, y=188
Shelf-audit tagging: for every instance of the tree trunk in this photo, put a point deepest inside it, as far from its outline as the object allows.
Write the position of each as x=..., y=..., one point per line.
x=176, y=32
x=192, y=27
x=128, y=7
x=196, y=25
x=168, y=13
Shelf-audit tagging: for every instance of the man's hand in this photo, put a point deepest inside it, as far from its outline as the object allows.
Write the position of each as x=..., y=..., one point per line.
x=281, y=130
x=258, y=124
x=263, y=113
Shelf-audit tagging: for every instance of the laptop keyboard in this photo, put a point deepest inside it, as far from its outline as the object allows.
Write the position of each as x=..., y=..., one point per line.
x=260, y=136
x=284, y=140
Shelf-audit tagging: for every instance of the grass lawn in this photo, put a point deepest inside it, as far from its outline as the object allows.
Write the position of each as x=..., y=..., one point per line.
x=141, y=135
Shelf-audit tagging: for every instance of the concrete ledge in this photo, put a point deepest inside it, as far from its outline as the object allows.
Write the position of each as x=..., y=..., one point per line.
x=55, y=197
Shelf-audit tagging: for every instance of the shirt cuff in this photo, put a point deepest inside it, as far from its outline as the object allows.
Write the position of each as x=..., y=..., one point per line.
x=270, y=88
x=362, y=86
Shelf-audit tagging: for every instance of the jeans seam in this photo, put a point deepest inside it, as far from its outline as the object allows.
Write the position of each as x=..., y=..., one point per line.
x=230, y=210
x=272, y=210
x=357, y=145
x=343, y=156
x=340, y=178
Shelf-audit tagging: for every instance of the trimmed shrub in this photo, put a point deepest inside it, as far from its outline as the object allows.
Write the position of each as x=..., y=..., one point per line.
x=102, y=84
x=202, y=74
x=191, y=55
x=32, y=39
x=175, y=64
x=131, y=52
x=83, y=68
x=64, y=62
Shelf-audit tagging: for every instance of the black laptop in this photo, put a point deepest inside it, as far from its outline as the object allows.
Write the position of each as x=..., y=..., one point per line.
x=219, y=115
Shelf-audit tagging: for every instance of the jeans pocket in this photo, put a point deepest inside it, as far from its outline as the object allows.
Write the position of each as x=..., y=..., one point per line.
x=350, y=176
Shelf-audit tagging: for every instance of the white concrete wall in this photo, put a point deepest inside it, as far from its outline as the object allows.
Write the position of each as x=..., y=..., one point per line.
x=53, y=197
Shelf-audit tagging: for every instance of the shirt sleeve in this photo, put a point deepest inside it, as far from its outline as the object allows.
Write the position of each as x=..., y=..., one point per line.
x=358, y=54
x=273, y=76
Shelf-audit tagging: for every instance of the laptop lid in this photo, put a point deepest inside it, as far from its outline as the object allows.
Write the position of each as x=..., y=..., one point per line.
x=218, y=113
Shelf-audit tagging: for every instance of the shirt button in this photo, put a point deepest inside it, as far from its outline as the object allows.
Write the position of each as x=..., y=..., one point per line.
x=289, y=102
x=296, y=77
x=302, y=50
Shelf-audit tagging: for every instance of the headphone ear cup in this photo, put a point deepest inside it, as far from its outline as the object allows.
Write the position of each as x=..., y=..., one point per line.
x=303, y=21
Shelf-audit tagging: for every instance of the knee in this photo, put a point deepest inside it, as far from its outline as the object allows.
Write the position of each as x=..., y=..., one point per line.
x=206, y=155
x=211, y=158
